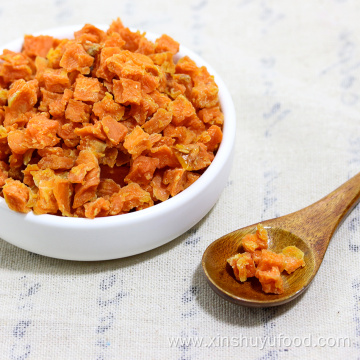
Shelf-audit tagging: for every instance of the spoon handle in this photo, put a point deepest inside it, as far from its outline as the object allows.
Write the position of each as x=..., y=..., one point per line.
x=318, y=222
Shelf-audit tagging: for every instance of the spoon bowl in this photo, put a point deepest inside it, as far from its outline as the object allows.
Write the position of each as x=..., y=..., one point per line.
x=221, y=276
x=309, y=229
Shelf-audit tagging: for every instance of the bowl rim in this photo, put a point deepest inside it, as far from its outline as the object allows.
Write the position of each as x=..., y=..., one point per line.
x=224, y=151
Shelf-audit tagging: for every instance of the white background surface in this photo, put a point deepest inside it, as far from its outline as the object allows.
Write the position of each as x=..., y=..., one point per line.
x=293, y=70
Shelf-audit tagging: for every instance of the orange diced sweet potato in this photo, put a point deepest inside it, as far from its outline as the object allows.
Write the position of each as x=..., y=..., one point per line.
x=16, y=195
x=270, y=280
x=212, y=116
x=243, y=266
x=56, y=162
x=270, y=259
x=108, y=107
x=107, y=188
x=127, y=91
x=193, y=157
x=175, y=179
x=137, y=141
x=37, y=45
x=158, y=122
x=77, y=111
x=166, y=43
x=97, y=208
x=56, y=80
x=294, y=258
x=181, y=109
x=114, y=130
x=128, y=197
x=258, y=241
x=76, y=58
x=159, y=189
x=142, y=170
x=63, y=191
x=87, y=89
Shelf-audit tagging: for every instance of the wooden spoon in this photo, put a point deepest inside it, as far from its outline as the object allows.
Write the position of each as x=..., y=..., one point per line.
x=310, y=229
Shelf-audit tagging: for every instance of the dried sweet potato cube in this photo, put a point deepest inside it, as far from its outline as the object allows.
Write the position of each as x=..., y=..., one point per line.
x=63, y=191
x=204, y=94
x=269, y=259
x=116, y=26
x=175, y=179
x=186, y=66
x=102, y=70
x=97, y=208
x=182, y=134
x=270, y=280
x=37, y=45
x=87, y=89
x=166, y=43
x=165, y=61
x=158, y=122
x=181, y=109
x=114, y=130
x=146, y=109
x=56, y=80
x=243, y=266
x=46, y=202
x=193, y=157
x=159, y=189
x=66, y=131
x=78, y=111
x=142, y=170
x=256, y=255
x=107, y=188
x=87, y=191
x=90, y=33
x=127, y=91
x=85, y=162
x=58, y=106
x=212, y=115
x=16, y=195
x=160, y=99
x=91, y=130
x=137, y=141
x=258, y=241
x=76, y=58
x=294, y=258
x=48, y=98
x=132, y=71
x=129, y=197
x=114, y=40
x=22, y=97
x=213, y=139
x=108, y=107
x=166, y=156
x=56, y=162
x=131, y=38
x=14, y=66
x=262, y=235
x=145, y=47
x=42, y=132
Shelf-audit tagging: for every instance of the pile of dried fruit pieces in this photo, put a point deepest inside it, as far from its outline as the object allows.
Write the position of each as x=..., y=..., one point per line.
x=264, y=264
x=103, y=124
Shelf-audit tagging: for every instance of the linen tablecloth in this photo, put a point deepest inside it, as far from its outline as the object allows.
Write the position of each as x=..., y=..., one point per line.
x=293, y=70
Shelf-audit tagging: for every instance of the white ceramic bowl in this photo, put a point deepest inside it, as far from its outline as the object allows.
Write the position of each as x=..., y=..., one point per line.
x=129, y=234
